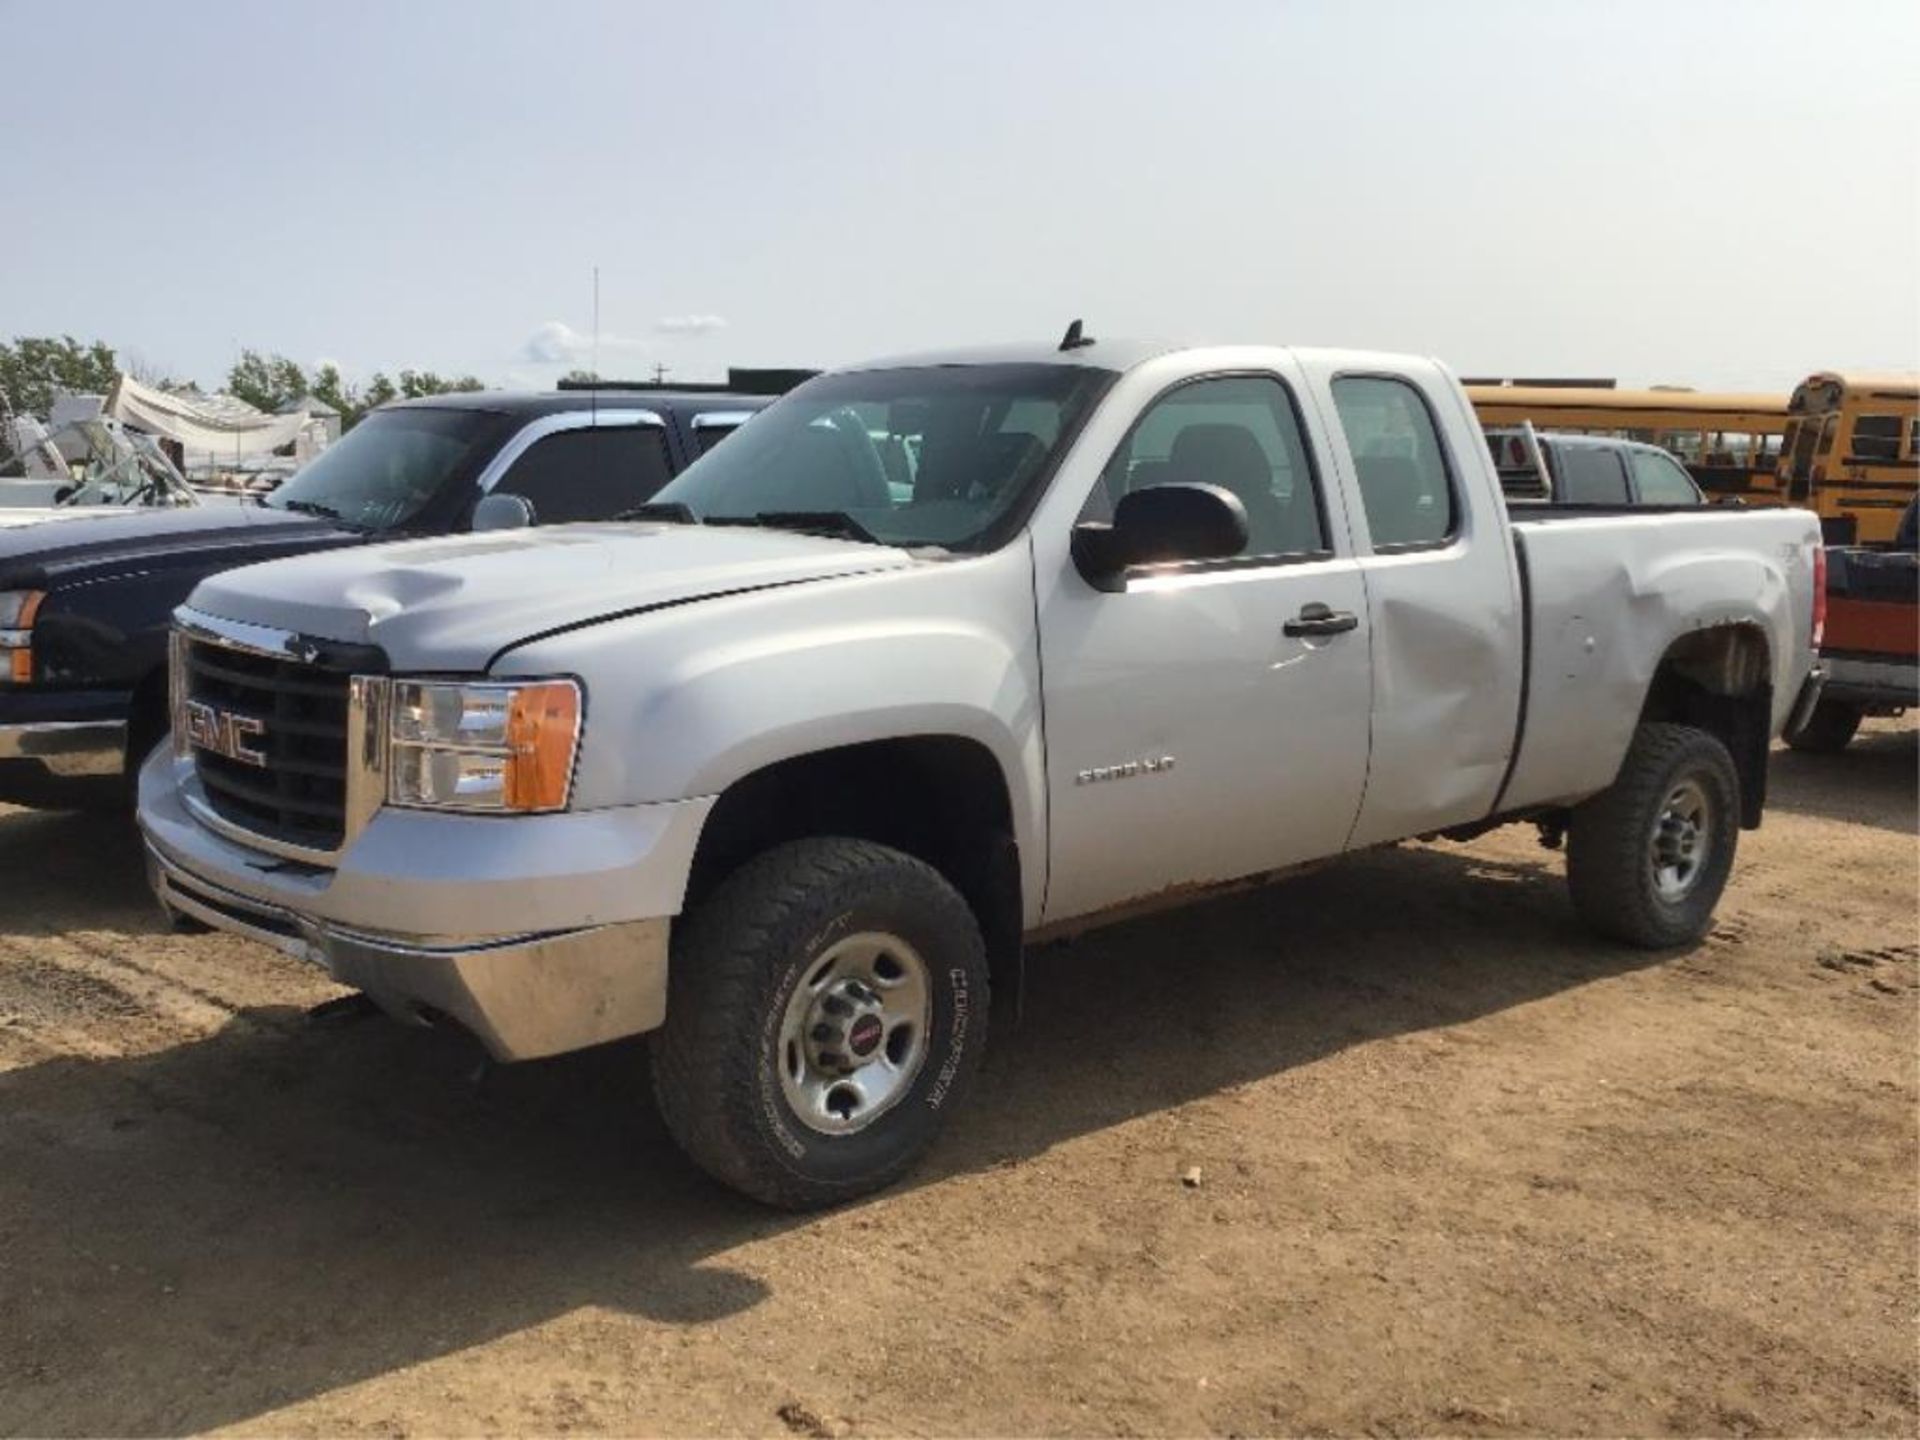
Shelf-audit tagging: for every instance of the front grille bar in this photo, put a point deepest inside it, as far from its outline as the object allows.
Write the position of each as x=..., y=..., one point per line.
x=319, y=725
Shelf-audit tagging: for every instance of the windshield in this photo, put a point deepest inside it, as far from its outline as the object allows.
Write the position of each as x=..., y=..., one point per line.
x=387, y=468
x=935, y=455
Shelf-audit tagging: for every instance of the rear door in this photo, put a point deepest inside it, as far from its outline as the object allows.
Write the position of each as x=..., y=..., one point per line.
x=1437, y=557
x=1208, y=721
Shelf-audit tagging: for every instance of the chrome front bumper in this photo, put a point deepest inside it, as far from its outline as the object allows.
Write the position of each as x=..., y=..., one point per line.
x=522, y=996
x=68, y=749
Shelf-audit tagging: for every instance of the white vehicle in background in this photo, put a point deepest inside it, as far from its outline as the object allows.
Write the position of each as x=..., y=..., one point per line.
x=787, y=768
x=92, y=466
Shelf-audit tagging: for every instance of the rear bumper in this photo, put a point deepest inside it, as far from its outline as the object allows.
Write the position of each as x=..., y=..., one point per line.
x=1873, y=684
x=522, y=996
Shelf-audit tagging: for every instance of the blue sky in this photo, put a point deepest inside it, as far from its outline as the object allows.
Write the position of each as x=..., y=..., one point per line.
x=1696, y=192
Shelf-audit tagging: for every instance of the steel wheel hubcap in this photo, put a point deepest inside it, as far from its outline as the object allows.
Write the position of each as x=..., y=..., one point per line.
x=1681, y=842
x=854, y=1032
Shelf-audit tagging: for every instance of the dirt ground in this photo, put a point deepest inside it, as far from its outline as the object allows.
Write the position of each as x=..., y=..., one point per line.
x=1462, y=1169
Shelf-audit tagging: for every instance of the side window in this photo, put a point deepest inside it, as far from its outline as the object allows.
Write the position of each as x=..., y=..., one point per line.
x=1397, y=459
x=1590, y=475
x=589, y=474
x=710, y=433
x=1239, y=432
x=1660, y=480
x=1876, y=437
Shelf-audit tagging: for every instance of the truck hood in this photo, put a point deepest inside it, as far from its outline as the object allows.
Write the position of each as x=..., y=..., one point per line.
x=453, y=604
x=86, y=544
x=12, y=516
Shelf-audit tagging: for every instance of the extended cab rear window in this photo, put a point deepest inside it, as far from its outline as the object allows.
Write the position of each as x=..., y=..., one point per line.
x=1398, y=461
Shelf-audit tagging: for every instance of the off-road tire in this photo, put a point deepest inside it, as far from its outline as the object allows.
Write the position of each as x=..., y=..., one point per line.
x=737, y=959
x=1828, y=729
x=1609, y=867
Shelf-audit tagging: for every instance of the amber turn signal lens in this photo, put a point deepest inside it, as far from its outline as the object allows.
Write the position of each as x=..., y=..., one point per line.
x=543, y=725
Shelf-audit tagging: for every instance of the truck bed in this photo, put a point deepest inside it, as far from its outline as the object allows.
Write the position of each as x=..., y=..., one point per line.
x=1607, y=592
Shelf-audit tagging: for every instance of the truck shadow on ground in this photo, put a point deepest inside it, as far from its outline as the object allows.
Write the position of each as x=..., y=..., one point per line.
x=1874, y=781
x=201, y=1235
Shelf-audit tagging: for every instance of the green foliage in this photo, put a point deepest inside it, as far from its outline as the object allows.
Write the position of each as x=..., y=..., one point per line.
x=416, y=383
x=343, y=396
x=379, y=391
x=33, y=369
x=266, y=381
x=580, y=377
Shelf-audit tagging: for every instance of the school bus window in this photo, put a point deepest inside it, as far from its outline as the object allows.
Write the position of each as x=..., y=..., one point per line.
x=1877, y=437
x=1913, y=436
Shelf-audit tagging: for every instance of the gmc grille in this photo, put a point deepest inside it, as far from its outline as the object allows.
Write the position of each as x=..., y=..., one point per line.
x=299, y=795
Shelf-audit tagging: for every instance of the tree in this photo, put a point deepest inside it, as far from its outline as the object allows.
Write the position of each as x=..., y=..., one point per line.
x=266, y=382
x=416, y=383
x=379, y=391
x=580, y=377
x=34, y=369
x=341, y=394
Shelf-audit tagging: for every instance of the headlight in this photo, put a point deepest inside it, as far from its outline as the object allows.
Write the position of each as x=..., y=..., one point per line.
x=483, y=746
x=17, y=609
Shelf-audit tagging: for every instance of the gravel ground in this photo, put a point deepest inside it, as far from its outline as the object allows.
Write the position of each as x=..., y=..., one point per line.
x=1461, y=1168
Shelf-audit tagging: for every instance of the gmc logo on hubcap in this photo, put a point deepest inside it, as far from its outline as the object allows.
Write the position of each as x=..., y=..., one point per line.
x=224, y=733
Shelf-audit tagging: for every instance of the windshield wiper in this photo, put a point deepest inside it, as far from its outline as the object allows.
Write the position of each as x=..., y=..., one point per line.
x=806, y=522
x=313, y=507
x=671, y=511
x=325, y=512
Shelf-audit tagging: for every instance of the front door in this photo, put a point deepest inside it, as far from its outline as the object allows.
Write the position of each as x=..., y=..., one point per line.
x=1208, y=721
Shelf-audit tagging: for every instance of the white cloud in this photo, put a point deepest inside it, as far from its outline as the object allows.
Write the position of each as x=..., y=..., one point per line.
x=557, y=343
x=690, y=324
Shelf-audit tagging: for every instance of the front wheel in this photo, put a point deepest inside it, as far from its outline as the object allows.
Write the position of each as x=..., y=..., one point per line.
x=826, y=1007
x=1648, y=857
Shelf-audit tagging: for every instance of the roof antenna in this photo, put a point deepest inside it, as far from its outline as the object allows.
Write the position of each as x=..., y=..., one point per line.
x=1074, y=340
x=594, y=403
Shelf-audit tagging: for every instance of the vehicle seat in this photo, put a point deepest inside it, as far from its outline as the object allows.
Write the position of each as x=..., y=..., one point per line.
x=975, y=467
x=821, y=473
x=1391, y=489
x=1229, y=456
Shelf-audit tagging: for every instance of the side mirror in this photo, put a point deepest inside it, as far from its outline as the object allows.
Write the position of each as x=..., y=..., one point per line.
x=1160, y=525
x=502, y=512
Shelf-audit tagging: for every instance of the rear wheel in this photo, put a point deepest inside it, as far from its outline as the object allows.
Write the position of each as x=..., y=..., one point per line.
x=1828, y=729
x=1648, y=858
x=826, y=1007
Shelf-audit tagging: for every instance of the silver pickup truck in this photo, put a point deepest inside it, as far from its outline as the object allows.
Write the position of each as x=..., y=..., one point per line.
x=939, y=656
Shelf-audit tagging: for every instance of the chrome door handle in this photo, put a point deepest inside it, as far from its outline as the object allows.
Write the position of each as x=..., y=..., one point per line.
x=1318, y=619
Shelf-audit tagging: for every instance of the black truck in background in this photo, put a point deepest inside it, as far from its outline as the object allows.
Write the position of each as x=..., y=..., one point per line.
x=85, y=604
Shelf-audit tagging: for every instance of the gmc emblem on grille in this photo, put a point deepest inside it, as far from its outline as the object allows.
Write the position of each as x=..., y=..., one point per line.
x=224, y=733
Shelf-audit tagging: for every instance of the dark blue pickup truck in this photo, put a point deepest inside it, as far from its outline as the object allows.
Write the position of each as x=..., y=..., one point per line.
x=85, y=603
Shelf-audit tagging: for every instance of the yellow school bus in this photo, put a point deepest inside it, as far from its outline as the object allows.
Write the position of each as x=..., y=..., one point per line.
x=1730, y=442
x=1852, y=452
